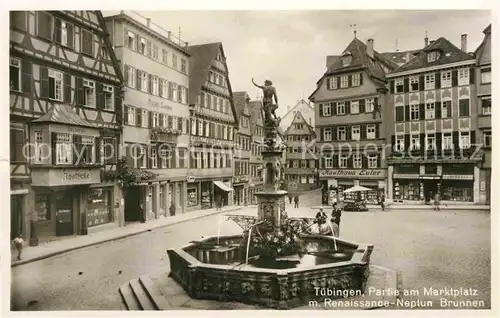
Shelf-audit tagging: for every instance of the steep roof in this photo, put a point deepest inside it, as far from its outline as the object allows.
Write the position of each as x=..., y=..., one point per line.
x=300, y=102
x=449, y=54
x=401, y=57
x=484, y=47
x=240, y=99
x=299, y=119
x=63, y=114
x=200, y=63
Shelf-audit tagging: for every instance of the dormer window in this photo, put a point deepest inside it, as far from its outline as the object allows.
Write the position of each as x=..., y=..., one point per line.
x=346, y=59
x=432, y=56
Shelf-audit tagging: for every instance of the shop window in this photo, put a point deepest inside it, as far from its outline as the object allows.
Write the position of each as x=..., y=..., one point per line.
x=42, y=207
x=457, y=190
x=99, y=206
x=64, y=148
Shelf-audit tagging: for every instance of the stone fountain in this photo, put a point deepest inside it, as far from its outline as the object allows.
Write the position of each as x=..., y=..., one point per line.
x=228, y=268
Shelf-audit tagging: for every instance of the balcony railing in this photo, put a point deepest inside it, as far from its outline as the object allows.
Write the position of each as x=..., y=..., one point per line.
x=217, y=89
x=162, y=134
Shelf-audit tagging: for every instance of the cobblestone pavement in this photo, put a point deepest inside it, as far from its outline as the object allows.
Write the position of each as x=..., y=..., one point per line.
x=431, y=249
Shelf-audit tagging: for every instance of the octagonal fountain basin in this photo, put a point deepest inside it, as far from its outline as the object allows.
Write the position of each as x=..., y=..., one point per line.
x=216, y=268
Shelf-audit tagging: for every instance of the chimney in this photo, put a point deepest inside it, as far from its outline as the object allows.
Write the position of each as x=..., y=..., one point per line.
x=464, y=43
x=148, y=22
x=369, y=47
x=408, y=57
x=426, y=41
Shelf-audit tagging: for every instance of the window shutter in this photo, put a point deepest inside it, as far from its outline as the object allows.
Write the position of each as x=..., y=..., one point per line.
x=348, y=135
x=150, y=119
x=150, y=83
x=137, y=42
x=53, y=141
x=79, y=91
x=473, y=138
x=454, y=78
x=328, y=79
x=391, y=86
x=334, y=133
x=361, y=79
x=321, y=134
x=472, y=75
x=67, y=87
x=320, y=110
x=170, y=91
x=335, y=158
x=130, y=156
x=439, y=142
x=57, y=30
x=160, y=120
x=393, y=142
x=406, y=85
x=338, y=82
x=437, y=78
x=437, y=107
x=322, y=162
x=377, y=131
x=455, y=138
x=421, y=108
x=101, y=98
x=138, y=117
x=364, y=161
x=362, y=108
x=407, y=112
x=99, y=158
x=125, y=115
x=421, y=82
x=422, y=143
x=362, y=134
x=118, y=104
x=44, y=82
x=348, y=107
x=125, y=73
x=70, y=34
x=160, y=87
x=349, y=161
x=333, y=109
x=26, y=76
x=138, y=80
x=375, y=101
x=407, y=142
x=349, y=80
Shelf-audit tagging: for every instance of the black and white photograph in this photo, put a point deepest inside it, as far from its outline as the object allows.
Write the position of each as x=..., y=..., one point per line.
x=273, y=159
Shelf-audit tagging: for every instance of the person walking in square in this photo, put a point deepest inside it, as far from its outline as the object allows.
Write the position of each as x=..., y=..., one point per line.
x=382, y=202
x=19, y=243
x=296, y=201
x=436, y=202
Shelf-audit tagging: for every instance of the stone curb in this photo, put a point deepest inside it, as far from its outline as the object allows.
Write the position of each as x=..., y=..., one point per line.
x=51, y=254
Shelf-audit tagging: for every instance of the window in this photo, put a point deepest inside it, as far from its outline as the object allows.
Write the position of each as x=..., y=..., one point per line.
x=327, y=134
x=328, y=161
x=430, y=111
x=356, y=132
x=109, y=97
x=131, y=77
x=156, y=86
x=141, y=158
x=344, y=81
x=42, y=207
x=487, y=139
x=327, y=111
x=174, y=91
x=370, y=132
x=15, y=75
x=346, y=60
x=299, y=126
x=144, y=82
x=432, y=56
x=154, y=158
x=414, y=84
x=179, y=94
x=145, y=121
x=63, y=32
x=303, y=163
x=356, y=79
x=463, y=105
x=372, y=161
x=165, y=161
x=164, y=56
x=354, y=107
x=463, y=76
x=332, y=83
x=486, y=105
x=447, y=141
x=131, y=40
x=184, y=66
x=414, y=112
x=110, y=149
x=85, y=146
x=356, y=161
x=415, y=142
x=430, y=142
x=400, y=113
x=143, y=46
x=44, y=25
x=399, y=83
x=486, y=76
x=174, y=61
x=17, y=143
x=465, y=140
x=400, y=143
x=55, y=85
x=156, y=121
x=18, y=20
x=343, y=161
x=88, y=93
x=445, y=79
x=154, y=51
x=446, y=109
x=184, y=95
x=369, y=105
x=130, y=115
x=341, y=108
x=64, y=149
x=87, y=42
x=38, y=146
x=341, y=133
x=430, y=81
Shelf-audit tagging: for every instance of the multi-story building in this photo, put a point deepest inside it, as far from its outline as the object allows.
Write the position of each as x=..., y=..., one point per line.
x=431, y=110
x=213, y=120
x=242, y=152
x=155, y=65
x=348, y=120
x=483, y=74
x=65, y=117
x=257, y=130
x=301, y=161
x=305, y=108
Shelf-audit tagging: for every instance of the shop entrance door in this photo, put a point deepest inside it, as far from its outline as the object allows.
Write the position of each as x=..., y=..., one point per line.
x=64, y=214
x=16, y=215
x=430, y=189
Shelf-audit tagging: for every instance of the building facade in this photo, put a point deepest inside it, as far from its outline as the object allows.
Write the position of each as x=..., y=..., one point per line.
x=242, y=152
x=65, y=124
x=431, y=110
x=156, y=113
x=483, y=74
x=305, y=108
x=301, y=162
x=213, y=120
x=257, y=130
x=349, y=120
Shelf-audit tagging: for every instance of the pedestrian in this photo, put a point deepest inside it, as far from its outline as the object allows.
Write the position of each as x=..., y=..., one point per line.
x=321, y=217
x=296, y=201
x=290, y=199
x=436, y=202
x=218, y=204
x=141, y=211
x=18, y=243
x=382, y=202
x=172, y=209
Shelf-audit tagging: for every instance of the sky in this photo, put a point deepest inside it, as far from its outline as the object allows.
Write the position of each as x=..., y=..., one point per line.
x=290, y=47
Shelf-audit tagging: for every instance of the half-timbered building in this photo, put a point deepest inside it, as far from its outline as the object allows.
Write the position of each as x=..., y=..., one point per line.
x=242, y=152
x=213, y=120
x=257, y=129
x=65, y=118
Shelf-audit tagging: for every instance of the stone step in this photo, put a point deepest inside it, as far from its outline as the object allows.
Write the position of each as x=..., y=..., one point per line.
x=142, y=297
x=128, y=297
x=154, y=293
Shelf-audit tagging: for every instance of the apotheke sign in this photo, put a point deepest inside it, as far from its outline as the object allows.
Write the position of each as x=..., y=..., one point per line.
x=353, y=173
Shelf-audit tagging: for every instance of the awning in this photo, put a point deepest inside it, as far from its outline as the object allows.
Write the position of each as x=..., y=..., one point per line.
x=458, y=177
x=223, y=186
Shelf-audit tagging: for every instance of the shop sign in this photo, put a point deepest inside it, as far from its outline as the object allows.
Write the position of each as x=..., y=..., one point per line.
x=240, y=179
x=190, y=178
x=63, y=177
x=353, y=173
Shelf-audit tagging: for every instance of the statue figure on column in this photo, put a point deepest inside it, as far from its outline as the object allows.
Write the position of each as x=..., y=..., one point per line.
x=269, y=105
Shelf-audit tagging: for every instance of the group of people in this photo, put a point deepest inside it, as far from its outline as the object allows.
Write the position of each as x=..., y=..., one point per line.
x=295, y=201
x=321, y=219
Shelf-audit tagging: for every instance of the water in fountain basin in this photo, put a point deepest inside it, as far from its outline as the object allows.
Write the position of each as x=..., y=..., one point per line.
x=333, y=235
x=248, y=244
